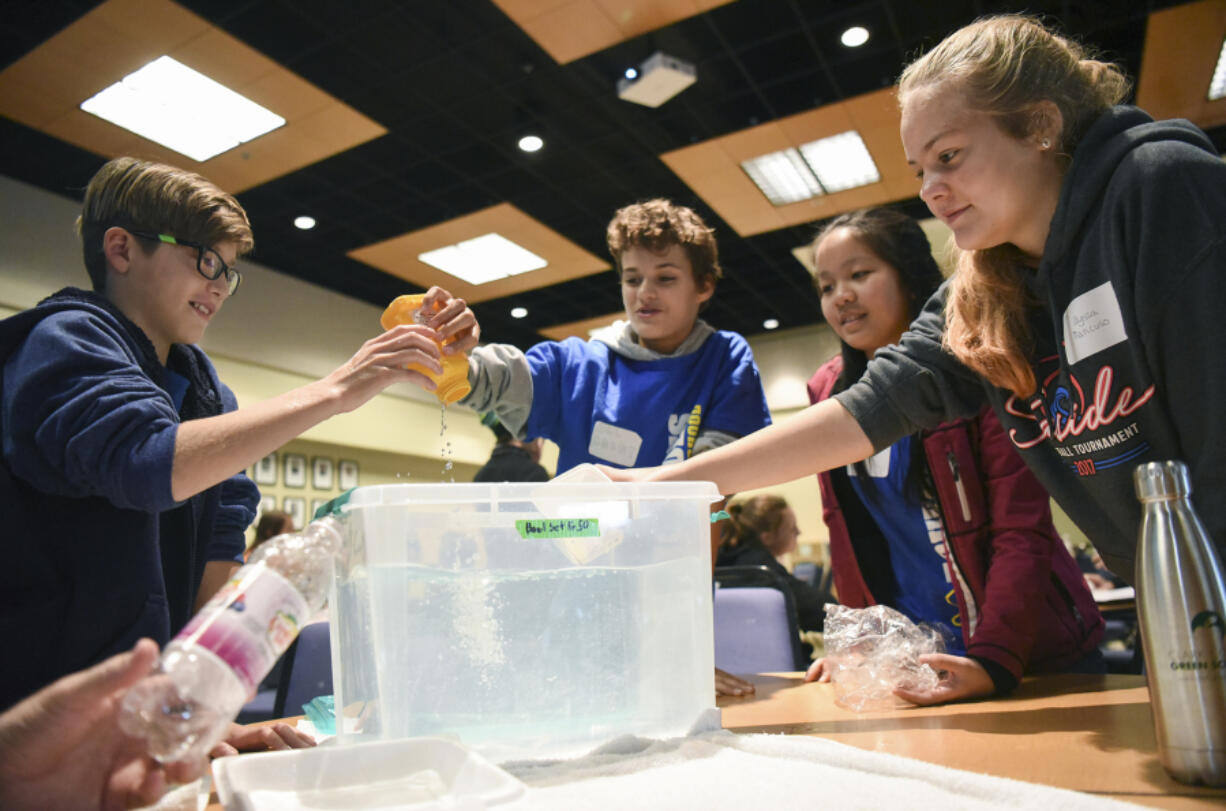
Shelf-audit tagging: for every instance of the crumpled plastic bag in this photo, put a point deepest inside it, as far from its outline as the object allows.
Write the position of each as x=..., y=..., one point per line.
x=871, y=651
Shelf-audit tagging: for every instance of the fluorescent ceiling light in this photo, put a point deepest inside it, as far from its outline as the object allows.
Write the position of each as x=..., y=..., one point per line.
x=519, y=312
x=855, y=36
x=304, y=222
x=1217, y=87
x=825, y=166
x=782, y=177
x=841, y=162
x=483, y=259
x=181, y=109
x=531, y=143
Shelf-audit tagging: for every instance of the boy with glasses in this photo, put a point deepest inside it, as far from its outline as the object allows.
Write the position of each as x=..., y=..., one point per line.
x=121, y=467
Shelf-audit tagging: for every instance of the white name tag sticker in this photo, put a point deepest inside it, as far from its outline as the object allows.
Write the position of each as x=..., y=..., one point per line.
x=877, y=465
x=1092, y=322
x=617, y=445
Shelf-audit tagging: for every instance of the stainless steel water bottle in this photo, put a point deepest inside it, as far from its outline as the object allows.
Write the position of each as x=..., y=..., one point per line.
x=1181, y=603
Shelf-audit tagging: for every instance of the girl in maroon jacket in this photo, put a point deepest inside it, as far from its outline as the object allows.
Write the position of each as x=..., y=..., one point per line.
x=948, y=526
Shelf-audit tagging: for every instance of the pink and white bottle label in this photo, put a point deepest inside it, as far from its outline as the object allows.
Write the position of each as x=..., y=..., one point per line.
x=249, y=623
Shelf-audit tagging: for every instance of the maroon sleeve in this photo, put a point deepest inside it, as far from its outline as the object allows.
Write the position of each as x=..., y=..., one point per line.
x=1018, y=557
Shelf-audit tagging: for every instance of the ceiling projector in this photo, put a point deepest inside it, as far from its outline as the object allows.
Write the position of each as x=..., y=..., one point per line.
x=659, y=79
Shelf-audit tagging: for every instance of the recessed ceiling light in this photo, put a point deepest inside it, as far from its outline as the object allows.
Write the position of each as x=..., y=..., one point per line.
x=825, y=166
x=855, y=36
x=519, y=312
x=531, y=143
x=771, y=323
x=305, y=223
x=181, y=109
x=483, y=259
x=841, y=161
x=782, y=177
x=1217, y=87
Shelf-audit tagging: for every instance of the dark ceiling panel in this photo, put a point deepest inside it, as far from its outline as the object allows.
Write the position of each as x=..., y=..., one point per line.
x=457, y=83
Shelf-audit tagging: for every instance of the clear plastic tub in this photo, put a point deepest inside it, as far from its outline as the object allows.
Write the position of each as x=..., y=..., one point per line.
x=528, y=620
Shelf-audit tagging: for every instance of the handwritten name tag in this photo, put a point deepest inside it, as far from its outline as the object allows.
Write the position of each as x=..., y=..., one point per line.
x=1092, y=322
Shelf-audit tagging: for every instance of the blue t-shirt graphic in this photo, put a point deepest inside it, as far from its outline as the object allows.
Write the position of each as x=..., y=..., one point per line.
x=923, y=588
x=601, y=407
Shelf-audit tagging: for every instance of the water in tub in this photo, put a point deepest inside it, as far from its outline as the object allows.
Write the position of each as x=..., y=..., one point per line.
x=446, y=452
x=522, y=662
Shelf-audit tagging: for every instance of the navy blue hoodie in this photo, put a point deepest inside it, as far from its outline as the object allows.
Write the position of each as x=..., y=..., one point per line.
x=1129, y=336
x=97, y=552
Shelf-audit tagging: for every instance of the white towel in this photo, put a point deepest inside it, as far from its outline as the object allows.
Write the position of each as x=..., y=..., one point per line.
x=723, y=770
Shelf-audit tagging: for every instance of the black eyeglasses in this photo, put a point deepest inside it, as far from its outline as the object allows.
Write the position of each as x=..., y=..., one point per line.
x=208, y=261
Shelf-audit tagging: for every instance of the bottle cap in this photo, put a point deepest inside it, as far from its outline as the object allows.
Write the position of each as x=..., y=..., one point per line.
x=1160, y=481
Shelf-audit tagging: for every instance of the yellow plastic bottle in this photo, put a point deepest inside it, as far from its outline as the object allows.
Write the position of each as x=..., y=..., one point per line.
x=453, y=382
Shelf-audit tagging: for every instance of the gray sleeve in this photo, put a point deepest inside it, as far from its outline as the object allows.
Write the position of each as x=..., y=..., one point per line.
x=709, y=440
x=501, y=382
x=915, y=384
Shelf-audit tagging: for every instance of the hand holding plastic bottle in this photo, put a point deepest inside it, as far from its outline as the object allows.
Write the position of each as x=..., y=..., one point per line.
x=62, y=747
x=186, y=706
x=456, y=328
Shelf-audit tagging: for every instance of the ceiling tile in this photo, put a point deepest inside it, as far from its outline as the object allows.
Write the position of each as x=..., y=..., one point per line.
x=455, y=82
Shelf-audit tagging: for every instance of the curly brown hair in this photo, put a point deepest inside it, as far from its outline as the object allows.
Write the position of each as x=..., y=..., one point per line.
x=132, y=193
x=659, y=224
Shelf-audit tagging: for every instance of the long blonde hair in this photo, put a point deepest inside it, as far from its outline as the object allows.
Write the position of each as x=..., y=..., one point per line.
x=1005, y=66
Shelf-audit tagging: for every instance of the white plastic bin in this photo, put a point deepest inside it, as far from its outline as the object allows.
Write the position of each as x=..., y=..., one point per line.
x=528, y=620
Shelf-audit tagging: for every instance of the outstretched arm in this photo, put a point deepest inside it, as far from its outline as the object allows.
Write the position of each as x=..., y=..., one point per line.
x=821, y=437
x=208, y=451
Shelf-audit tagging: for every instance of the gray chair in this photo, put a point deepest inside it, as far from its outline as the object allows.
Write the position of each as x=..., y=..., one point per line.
x=755, y=622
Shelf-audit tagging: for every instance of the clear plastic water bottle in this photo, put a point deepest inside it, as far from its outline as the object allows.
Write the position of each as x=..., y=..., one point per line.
x=211, y=669
x=1181, y=602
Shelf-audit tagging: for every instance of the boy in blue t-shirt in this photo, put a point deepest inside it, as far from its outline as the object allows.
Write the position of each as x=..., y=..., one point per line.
x=122, y=453
x=656, y=388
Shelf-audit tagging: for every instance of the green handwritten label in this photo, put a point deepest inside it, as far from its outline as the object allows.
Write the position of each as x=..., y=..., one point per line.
x=559, y=528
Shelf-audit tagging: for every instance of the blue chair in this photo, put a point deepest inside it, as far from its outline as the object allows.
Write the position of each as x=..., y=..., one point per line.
x=308, y=670
x=260, y=708
x=807, y=572
x=755, y=622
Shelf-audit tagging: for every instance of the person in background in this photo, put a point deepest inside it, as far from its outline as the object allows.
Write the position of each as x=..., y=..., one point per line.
x=946, y=525
x=271, y=524
x=122, y=452
x=657, y=388
x=1087, y=300
x=512, y=460
x=762, y=530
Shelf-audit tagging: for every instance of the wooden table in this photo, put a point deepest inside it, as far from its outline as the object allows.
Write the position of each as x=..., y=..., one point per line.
x=1081, y=732
x=1086, y=733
